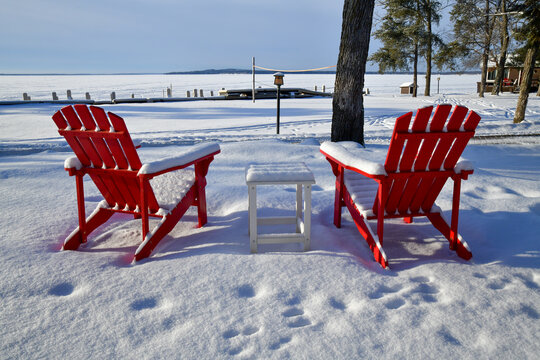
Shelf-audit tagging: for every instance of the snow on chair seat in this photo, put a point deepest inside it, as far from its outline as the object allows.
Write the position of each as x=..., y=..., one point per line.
x=105, y=151
x=421, y=157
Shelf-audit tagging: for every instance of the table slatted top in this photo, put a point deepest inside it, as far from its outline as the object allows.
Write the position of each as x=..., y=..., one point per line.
x=279, y=173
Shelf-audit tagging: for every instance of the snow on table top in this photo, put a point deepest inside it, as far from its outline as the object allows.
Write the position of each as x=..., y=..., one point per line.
x=279, y=172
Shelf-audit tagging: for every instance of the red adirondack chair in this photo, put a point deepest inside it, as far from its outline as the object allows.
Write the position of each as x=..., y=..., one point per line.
x=104, y=150
x=418, y=163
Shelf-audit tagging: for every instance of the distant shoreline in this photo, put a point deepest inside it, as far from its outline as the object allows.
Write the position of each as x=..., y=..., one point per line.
x=232, y=71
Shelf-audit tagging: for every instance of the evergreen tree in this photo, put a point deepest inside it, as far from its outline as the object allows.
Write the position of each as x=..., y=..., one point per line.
x=407, y=33
x=529, y=33
x=400, y=34
x=473, y=33
x=502, y=24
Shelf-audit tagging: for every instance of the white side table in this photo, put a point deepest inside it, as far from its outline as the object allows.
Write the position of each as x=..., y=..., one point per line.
x=280, y=174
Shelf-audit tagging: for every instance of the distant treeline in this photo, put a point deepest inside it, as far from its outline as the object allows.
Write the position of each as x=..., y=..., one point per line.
x=235, y=71
x=248, y=71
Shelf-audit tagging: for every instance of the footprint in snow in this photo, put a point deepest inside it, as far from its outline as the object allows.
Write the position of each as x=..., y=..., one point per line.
x=142, y=304
x=394, y=304
x=63, y=289
x=240, y=336
x=246, y=291
x=384, y=290
x=292, y=312
x=280, y=343
x=337, y=304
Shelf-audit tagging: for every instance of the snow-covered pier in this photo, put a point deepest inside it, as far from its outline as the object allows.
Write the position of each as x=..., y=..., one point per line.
x=241, y=94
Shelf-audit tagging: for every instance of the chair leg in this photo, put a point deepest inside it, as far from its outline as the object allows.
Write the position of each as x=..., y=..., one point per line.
x=365, y=230
x=201, y=202
x=166, y=225
x=338, y=201
x=201, y=169
x=461, y=247
x=76, y=238
x=455, y=213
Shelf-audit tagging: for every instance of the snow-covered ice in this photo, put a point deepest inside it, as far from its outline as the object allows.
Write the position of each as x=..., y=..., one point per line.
x=203, y=295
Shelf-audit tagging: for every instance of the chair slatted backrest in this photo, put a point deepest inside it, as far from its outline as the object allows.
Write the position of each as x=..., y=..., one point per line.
x=104, y=147
x=430, y=146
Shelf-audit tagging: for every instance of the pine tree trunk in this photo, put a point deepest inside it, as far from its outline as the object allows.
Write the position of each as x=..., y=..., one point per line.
x=525, y=86
x=415, y=68
x=428, y=50
x=348, y=104
x=484, y=74
x=505, y=39
x=485, y=52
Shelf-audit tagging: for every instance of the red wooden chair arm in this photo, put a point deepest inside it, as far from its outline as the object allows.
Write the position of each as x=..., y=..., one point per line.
x=194, y=155
x=337, y=154
x=73, y=166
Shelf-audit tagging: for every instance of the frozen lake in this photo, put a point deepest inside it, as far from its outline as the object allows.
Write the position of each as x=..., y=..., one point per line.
x=40, y=87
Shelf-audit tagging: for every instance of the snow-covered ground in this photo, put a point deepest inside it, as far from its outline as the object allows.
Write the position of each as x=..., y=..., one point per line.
x=202, y=295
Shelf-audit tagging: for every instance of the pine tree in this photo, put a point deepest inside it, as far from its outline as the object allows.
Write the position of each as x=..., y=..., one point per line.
x=529, y=32
x=505, y=41
x=406, y=33
x=473, y=33
x=400, y=34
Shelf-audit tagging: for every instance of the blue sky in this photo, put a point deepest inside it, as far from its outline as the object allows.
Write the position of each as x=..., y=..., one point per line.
x=109, y=36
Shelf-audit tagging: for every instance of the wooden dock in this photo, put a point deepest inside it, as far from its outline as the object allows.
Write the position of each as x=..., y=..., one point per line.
x=271, y=93
x=241, y=94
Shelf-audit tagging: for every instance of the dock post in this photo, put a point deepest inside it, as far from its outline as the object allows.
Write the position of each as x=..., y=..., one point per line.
x=68, y=93
x=212, y=93
x=253, y=74
x=26, y=97
x=315, y=87
x=324, y=88
x=195, y=93
x=87, y=95
x=201, y=94
x=113, y=96
x=54, y=96
x=169, y=92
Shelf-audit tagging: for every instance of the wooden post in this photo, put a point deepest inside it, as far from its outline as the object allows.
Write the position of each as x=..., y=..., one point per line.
x=188, y=94
x=113, y=96
x=195, y=93
x=54, y=96
x=201, y=94
x=169, y=92
x=211, y=92
x=69, y=95
x=315, y=87
x=87, y=95
x=26, y=97
x=253, y=75
x=324, y=88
